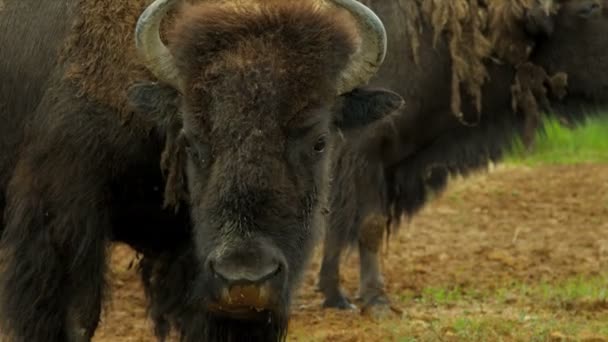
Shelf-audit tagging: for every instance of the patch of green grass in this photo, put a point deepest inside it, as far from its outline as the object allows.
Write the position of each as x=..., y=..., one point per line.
x=576, y=291
x=469, y=328
x=492, y=327
x=558, y=144
x=568, y=292
x=520, y=311
x=408, y=339
x=441, y=296
x=540, y=311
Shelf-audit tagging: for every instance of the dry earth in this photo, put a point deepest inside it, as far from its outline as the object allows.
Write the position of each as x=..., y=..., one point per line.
x=514, y=225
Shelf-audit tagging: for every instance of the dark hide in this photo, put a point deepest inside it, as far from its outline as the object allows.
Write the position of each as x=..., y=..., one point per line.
x=425, y=144
x=175, y=177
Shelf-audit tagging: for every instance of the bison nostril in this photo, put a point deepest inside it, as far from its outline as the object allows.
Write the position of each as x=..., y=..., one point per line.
x=245, y=271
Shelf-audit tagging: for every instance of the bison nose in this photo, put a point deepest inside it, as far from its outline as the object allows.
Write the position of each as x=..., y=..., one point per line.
x=243, y=267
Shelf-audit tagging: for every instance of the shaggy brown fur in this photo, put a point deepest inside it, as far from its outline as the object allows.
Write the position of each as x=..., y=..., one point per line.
x=504, y=29
x=529, y=92
x=97, y=75
x=208, y=62
x=329, y=35
x=109, y=26
x=476, y=30
x=104, y=77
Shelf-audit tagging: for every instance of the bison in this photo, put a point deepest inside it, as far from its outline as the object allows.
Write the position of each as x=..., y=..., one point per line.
x=209, y=155
x=416, y=151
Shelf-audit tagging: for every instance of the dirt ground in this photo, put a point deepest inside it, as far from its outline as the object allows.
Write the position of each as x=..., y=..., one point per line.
x=520, y=225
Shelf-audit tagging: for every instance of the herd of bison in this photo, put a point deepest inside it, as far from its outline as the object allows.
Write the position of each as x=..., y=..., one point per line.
x=221, y=147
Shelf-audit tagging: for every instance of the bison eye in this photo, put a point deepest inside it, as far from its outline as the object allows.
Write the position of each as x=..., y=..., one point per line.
x=320, y=144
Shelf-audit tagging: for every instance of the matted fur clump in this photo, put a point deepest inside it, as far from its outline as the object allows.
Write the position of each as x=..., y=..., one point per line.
x=476, y=31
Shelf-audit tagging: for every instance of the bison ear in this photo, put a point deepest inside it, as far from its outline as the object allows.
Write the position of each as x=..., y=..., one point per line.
x=158, y=102
x=364, y=106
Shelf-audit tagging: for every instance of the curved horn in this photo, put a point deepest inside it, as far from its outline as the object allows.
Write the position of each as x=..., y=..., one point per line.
x=156, y=57
x=367, y=61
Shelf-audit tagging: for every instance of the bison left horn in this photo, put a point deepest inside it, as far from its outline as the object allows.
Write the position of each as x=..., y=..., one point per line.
x=156, y=56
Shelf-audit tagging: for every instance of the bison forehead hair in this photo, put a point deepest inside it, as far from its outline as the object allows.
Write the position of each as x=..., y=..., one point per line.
x=290, y=53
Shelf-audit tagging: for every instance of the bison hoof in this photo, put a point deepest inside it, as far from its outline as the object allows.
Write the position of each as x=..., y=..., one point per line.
x=338, y=302
x=379, y=307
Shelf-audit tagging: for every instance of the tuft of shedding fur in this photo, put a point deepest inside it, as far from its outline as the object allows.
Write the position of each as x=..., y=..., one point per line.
x=504, y=29
x=528, y=90
x=468, y=46
x=476, y=32
x=461, y=24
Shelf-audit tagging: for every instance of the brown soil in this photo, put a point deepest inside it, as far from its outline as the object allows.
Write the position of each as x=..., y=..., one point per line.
x=514, y=224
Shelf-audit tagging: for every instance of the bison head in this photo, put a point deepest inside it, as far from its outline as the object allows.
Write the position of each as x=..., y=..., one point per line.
x=578, y=48
x=543, y=16
x=260, y=89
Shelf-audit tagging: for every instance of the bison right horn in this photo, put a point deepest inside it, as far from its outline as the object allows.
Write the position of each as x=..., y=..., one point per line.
x=372, y=52
x=156, y=56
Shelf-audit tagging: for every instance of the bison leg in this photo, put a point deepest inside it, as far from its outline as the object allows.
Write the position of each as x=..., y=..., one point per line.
x=168, y=277
x=84, y=311
x=371, y=283
x=53, y=248
x=329, y=275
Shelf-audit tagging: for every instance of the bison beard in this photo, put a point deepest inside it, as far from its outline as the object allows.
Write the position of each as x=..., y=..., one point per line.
x=271, y=328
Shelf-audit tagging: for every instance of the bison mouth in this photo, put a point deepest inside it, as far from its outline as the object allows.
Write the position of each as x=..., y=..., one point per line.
x=246, y=312
x=244, y=301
